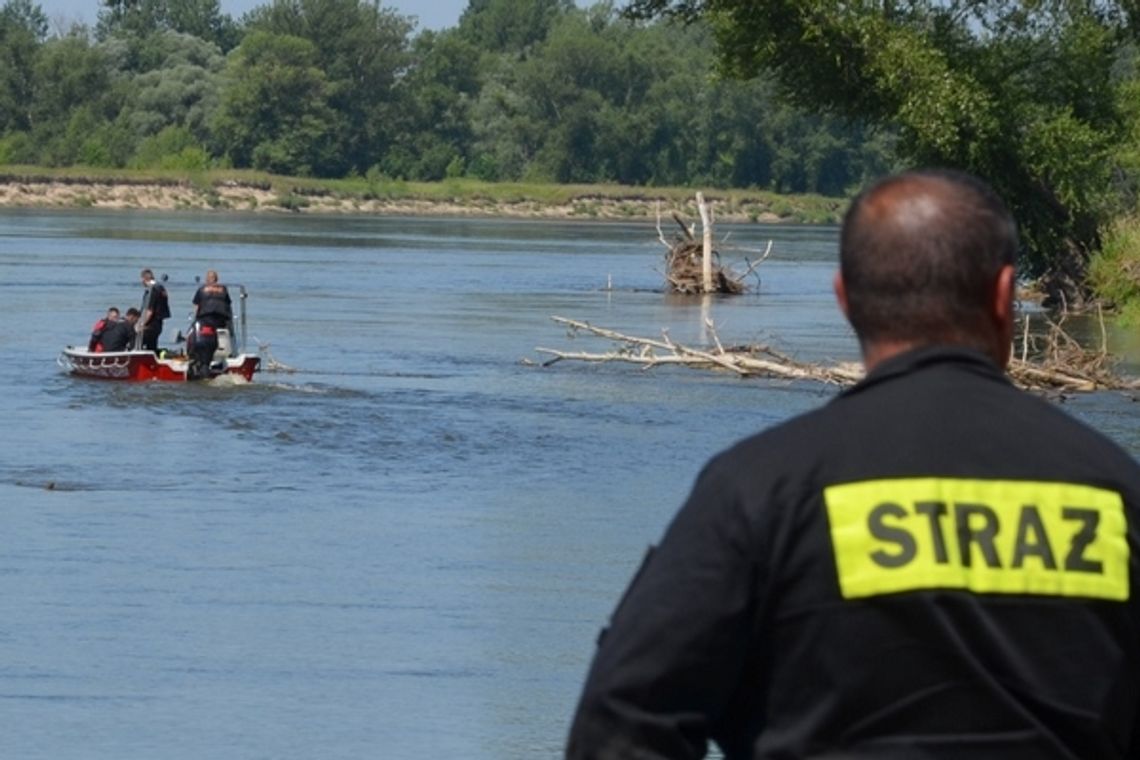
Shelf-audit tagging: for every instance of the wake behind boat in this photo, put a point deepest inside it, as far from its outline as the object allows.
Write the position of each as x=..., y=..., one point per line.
x=169, y=365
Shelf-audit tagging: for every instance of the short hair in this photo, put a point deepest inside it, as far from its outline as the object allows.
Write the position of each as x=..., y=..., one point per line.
x=919, y=253
x=133, y=312
x=112, y=309
x=146, y=273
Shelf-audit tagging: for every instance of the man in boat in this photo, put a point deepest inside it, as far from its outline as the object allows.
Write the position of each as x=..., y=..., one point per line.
x=95, y=342
x=213, y=311
x=935, y=564
x=155, y=309
x=120, y=335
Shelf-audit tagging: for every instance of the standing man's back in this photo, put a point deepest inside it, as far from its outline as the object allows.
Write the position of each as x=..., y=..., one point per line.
x=155, y=310
x=934, y=564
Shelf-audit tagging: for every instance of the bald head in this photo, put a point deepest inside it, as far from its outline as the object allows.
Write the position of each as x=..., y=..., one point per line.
x=921, y=256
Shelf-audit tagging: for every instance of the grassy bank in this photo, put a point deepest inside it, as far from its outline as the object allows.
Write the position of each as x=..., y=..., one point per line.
x=1114, y=271
x=246, y=190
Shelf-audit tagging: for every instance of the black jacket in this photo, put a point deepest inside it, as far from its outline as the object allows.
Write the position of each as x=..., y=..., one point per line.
x=934, y=564
x=118, y=336
x=214, y=307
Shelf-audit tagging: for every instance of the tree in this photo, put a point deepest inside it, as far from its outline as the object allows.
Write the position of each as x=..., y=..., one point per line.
x=23, y=28
x=361, y=50
x=73, y=96
x=510, y=26
x=1023, y=94
x=180, y=90
x=434, y=128
x=140, y=19
x=274, y=113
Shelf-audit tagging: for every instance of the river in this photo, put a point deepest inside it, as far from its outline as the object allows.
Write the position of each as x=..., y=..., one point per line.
x=405, y=547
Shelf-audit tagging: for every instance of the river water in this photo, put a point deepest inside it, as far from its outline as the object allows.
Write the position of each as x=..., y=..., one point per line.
x=403, y=548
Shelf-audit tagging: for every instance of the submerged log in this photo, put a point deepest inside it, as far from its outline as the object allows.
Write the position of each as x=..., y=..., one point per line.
x=1056, y=370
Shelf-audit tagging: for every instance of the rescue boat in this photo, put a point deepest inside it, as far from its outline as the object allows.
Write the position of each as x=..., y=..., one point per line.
x=169, y=365
x=142, y=365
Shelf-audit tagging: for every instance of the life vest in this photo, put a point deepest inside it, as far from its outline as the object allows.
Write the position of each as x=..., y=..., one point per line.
x=214, y=306
x=96, y=342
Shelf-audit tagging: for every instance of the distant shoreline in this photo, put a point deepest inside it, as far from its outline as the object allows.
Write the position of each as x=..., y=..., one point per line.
x=48, y=192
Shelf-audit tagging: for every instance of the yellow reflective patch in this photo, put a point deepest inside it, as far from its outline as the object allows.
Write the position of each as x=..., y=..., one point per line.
x=984, y=536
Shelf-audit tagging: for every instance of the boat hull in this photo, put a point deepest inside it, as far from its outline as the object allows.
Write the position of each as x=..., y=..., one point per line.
x=143, y=366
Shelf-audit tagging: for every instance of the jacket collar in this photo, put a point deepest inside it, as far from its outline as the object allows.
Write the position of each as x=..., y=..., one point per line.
x=918, y=359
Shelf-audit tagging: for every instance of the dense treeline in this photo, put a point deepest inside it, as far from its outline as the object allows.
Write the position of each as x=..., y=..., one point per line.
x=536, y=90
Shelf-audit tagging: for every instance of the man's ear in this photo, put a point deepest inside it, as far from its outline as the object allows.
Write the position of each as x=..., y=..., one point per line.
x=1002, y=311
x=840, y=292
x=1005, y=292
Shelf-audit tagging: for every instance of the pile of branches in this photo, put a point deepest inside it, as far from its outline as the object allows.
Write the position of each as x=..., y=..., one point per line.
x=684, y=272
x=1054, y=362
x=684, y=257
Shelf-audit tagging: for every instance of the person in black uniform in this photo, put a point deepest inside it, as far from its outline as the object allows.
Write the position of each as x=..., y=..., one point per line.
x=120, y=335
x=95, y=342
x=155, y=309
x=213, y=310
x=935, y=564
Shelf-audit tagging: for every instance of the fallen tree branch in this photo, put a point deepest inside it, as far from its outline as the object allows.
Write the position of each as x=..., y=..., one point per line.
x=1052, y=374
x=649, y=352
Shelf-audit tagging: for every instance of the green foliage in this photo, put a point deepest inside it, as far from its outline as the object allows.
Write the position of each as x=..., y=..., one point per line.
x=1114, y=271
x=361, y=51
x=17, y=148
x=70, y=73
x=138, y=19
x=173, y=148
x=274, y=113
x=179, y=87
x=433, y=126
x=539, y=90
x=1025, y=95
x=23, y=27
x=510, y=26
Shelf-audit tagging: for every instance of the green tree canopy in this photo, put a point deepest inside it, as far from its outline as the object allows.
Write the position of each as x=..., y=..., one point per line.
x=23, y=27
x=432, y=133
x=274, y=113
x=141, y=18
x=510, y=26
x=180, y=90
x=1026, y=95
x=362, y=51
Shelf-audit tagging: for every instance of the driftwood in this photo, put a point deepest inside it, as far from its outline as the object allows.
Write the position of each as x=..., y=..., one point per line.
x=1055, y=360
x=693, y=266
x=747, y=361
x=1059, y=366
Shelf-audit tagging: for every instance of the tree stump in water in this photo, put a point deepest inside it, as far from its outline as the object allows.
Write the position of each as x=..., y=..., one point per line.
x=684, y=267
x=693, y=266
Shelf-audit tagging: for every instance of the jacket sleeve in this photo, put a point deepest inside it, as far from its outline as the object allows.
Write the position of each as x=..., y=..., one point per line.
x=666, y=670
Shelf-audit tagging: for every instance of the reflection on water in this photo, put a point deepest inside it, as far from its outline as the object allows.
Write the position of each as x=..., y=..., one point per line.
x=408, y=543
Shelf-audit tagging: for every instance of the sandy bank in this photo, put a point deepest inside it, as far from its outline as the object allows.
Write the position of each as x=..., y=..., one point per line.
x=23, y=193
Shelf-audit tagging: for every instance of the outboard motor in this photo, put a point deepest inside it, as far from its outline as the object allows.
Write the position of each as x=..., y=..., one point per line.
x=225, y=345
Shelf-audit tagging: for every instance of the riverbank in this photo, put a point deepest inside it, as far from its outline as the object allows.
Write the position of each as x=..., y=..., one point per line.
x=239, y=191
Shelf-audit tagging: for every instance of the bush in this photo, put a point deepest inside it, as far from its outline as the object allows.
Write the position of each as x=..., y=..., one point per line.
x=18, y=148
x=172, y=148
x=1114, y=271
